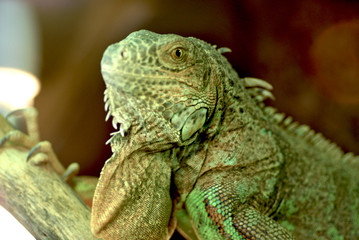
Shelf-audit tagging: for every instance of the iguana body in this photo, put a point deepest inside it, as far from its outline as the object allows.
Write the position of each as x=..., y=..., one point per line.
x=196, y=142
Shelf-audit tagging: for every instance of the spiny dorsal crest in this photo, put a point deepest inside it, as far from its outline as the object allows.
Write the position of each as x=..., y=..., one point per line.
x=259, y=90
x=311, y=137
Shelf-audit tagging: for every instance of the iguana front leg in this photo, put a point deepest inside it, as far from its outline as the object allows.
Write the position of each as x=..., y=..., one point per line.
x=220, y=209
x=41, y=152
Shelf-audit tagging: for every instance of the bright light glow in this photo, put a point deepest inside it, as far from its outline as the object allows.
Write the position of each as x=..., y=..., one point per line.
x=17, y=88
x=10, y=228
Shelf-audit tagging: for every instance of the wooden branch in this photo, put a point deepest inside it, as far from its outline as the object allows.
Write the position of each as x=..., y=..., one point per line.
x=37, y=196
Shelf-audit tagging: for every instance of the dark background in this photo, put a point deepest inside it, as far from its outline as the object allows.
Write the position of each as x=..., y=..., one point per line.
x=308, y=50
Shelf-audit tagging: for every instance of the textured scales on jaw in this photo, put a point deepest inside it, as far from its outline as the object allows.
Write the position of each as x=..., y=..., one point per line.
x=163, y=76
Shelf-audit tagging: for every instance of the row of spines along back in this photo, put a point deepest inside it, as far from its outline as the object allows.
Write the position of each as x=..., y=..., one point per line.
x=309, y=135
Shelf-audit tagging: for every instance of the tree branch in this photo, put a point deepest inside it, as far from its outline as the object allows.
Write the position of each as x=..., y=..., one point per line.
x=38, y=197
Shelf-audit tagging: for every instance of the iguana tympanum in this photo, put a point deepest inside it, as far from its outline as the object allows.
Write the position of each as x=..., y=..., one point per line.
x=197, y=150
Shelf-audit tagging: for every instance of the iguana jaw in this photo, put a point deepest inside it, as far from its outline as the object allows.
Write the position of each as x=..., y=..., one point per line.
x=130, y=117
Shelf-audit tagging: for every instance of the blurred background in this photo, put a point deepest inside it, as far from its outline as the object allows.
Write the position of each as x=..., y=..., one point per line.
x=308, y=50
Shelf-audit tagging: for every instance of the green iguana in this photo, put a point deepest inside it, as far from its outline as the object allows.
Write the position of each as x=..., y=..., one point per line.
x=197, y=150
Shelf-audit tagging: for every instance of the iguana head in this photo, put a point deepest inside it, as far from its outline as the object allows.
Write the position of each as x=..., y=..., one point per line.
x=161, y=83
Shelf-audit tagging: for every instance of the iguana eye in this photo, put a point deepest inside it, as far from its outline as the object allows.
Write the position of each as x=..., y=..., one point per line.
x=178, y=53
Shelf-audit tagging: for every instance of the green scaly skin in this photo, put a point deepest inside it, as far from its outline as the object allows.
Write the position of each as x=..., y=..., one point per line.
x=196, y=149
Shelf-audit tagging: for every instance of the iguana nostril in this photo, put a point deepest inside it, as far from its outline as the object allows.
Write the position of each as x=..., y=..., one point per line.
x=123, y=54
